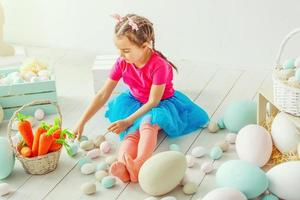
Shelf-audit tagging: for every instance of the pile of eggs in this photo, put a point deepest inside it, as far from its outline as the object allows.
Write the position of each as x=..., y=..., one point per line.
x=290, y=72
x=93, y=149
x=31, y=71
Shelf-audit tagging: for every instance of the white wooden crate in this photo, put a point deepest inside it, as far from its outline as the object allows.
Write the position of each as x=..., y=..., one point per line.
x=101, y=70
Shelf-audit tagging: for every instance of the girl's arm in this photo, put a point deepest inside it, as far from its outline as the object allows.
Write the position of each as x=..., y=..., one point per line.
x=156, y=94
x=99, y=100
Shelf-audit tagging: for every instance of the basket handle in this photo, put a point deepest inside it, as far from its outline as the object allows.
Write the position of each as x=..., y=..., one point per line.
x=37, y=102
x=282, y=46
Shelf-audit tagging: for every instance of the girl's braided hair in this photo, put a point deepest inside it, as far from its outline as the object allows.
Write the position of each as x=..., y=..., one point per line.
x=143, y=33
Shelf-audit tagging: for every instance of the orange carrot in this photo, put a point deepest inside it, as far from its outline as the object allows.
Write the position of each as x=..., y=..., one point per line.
x=25, y=130
x=26, y=152
x=45, y=144
x=55, y=146
x=42, y=129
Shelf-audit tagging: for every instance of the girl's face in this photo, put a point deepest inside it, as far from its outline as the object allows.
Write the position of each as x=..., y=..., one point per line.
x=131, y=52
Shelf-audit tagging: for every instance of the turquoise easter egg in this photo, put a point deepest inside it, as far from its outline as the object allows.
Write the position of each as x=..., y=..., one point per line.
x=83, y=161
x=244, y=176
x=216, y=153
x=239, y=114
x=73, y=149
x=221, y=124
x=297, y=75
x=289, y=64
x=174, y=147
x=270, y=197
x=108, y=181
x=7, y=158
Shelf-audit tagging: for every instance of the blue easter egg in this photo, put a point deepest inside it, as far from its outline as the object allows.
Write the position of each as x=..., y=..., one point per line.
x=289, y=64
x=83, y=161
x=270, y=197
x=108, y=181
x=243, y=176
x=221, y=124
x=297, y=75
x=102, y=166
x=216, y=153
x=83, y=138
x=7, y=158
x=73, y=149
x=239, y=114
x=174, y=147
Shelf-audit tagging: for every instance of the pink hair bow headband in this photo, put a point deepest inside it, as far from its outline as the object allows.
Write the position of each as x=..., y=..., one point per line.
x=131, y=23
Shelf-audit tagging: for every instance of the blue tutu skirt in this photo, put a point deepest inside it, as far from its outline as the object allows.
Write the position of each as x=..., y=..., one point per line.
x=177, y=115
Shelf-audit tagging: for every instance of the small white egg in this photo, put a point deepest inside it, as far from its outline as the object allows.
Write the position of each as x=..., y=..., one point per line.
x=198, y=151
x=105, y=147
x=39, y=114
x=5, y=189
x=230, y=138
x=88, y=168
x=190, y=188
x=207, y=167
x=110, y=159
x=94, y=153
x=88, y=188
x=190, y=160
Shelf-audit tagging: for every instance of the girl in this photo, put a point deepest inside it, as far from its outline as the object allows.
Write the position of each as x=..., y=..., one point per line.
x=151, y=102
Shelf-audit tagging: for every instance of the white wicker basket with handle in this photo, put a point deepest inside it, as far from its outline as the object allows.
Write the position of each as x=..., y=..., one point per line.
x=286, y=97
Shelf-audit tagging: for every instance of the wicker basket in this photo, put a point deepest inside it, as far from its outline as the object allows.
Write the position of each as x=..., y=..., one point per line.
x=286, y=97
x=41, y=164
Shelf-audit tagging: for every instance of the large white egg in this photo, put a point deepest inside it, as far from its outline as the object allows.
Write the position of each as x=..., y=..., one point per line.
x=162, y=172
x=284, y=180
x=285, y=134
x=254, y=135
x=225, y=193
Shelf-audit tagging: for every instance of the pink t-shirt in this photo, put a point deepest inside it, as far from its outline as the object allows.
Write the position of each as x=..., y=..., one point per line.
x=156, y=71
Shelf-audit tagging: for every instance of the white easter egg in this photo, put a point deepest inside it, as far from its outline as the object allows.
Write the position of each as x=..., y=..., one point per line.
x=5, y=189
x=29, y=75
x=284, y=180
x=46, y=73
x=100, y=175
x=190, y=160
x=225, y=193
x=39, y=114
x=207, y=167
x=285, y=134
x=230, y=138
x=198, y=151
x=94, y=153
x=88, y=188
x=110, y=159
x=254, y=134
x=34, y=79
x=87, y=145
x=88, y=168
x=161, y=167
x=190, y=188
x=223, y=145
x=105, y=147
x=44, y=78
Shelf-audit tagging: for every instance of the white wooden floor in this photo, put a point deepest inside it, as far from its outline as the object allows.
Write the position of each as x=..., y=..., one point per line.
x=212, y=87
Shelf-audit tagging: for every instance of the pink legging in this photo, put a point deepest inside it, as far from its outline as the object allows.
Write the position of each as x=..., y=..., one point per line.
x=140, y=144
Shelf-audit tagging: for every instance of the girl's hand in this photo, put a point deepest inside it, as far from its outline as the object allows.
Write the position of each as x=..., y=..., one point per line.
x=119, y=126
x=78, y=130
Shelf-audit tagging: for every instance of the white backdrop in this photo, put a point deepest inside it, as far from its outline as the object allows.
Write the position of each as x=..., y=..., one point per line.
x=235, y=33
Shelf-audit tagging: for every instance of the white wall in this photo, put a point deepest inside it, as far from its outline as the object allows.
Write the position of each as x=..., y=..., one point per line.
x=234, y=33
